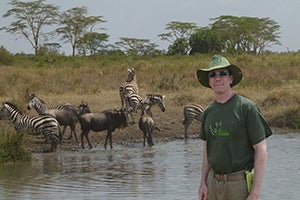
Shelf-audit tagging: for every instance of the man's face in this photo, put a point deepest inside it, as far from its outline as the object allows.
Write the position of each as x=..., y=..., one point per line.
x=220, y=80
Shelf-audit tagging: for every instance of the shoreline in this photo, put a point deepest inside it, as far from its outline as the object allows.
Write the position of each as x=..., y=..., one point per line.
x=125, y=137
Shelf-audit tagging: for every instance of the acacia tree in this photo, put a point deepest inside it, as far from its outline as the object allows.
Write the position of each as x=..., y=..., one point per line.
x=246, y=34
x=31, y=18
x=134, y=46
x=204, y=40
x=92, y=43
x=178, y=35
x=75, y=25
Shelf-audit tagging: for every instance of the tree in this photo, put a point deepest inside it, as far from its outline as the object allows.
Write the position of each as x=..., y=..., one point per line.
x=178, y=35
x=75, y=25
x=205, y=40
x=31, y=18
x=49, y=49
x=133, y=46
x=92, y=43
x=246, y=34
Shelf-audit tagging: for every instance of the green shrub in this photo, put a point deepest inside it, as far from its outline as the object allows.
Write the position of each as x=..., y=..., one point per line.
x=12, y=148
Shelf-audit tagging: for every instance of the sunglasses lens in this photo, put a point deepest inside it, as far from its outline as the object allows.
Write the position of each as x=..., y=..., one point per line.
x=223, y=73
x=211, y=74
x=220, y=73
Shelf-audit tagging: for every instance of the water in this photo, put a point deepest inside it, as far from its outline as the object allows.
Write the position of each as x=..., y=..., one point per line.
x=165, y=171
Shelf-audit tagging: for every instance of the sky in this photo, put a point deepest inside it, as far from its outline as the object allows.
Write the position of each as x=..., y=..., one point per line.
x=146, y=19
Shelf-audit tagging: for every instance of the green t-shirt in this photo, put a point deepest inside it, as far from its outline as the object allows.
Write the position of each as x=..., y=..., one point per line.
x=230, y=130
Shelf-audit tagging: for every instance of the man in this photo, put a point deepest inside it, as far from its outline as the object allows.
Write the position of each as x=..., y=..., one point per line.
x=234, y=133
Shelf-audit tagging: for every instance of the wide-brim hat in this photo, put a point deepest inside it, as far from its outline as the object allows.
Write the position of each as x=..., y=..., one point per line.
x=218, y=62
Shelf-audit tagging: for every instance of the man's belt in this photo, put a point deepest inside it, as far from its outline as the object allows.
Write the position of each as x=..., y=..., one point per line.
x=235, y=176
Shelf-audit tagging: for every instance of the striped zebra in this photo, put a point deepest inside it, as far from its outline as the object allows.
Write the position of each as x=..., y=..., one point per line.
x=40, y=106
x=65, y=114
x=133, y=102
x=190, y=112
x=154, y=99
x=129, y=87
x=46, y=125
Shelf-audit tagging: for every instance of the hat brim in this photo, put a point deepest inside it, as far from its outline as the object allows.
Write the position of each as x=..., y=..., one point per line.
x=202, y=74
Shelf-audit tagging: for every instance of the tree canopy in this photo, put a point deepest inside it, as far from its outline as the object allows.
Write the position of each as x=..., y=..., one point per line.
x=135, y=46
x=75, y=25
x=246, y=34
x=31, y=18
x=225, y=34
x=178, y=35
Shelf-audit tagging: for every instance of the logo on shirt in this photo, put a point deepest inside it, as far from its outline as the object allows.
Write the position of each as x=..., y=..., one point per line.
x=217, y=130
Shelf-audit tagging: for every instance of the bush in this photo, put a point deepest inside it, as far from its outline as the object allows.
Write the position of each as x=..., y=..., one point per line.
x=5, y=57
x=12, y=148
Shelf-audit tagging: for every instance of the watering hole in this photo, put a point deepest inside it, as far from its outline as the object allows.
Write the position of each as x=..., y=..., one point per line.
x=166, y=171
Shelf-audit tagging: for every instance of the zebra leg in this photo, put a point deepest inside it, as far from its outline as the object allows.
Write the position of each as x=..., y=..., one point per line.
x=132, y=117
x=187, y=123
x=54, y=140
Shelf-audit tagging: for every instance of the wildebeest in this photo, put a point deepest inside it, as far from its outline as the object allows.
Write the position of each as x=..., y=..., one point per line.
x=68, y=116
x=108, y=120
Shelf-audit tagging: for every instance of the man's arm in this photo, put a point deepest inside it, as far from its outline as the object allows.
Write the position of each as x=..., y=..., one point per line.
x=259, y=168
x=203, y=190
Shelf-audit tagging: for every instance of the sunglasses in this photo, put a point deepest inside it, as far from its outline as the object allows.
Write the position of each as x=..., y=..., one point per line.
x=219, y=73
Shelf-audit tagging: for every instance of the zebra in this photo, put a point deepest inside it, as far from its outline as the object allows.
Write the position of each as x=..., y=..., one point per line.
x=190, y=112
x=64, y=113
x=129, y=87
x=155, y=99
x=133, y=102
x=40, y=106
x=46, y=125
x=146, y=123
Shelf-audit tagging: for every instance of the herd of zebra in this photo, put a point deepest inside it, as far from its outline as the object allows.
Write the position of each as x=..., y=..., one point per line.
x=52, y=116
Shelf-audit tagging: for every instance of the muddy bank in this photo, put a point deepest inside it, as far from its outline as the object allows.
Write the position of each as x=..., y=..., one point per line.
x=129, y=136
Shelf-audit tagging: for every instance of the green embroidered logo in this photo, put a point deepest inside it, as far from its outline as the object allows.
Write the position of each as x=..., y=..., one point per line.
x=217, y=130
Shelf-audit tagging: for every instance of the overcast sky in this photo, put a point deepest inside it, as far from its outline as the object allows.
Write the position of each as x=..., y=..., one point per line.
x=145, y=19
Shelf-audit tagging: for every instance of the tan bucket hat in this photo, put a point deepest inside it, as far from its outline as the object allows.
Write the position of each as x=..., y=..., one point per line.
x=218, y=62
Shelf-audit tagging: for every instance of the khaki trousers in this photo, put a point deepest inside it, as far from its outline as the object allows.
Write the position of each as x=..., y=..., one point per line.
x=223, y=189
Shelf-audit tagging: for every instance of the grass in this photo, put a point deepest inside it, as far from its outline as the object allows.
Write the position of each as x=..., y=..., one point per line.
x=271, y=80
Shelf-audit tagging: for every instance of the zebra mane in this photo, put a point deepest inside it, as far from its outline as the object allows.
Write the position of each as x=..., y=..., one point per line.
x=12, y=106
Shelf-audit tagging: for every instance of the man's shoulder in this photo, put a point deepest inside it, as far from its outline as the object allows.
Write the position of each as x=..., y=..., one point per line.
x=245, y=100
